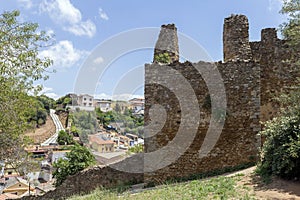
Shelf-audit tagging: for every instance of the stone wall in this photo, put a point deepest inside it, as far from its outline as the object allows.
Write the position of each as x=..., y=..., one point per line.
x=236, y=38
x=238, y=142
x=90, y=179
x=253, y=74
x=167, y=43
x=277, y=75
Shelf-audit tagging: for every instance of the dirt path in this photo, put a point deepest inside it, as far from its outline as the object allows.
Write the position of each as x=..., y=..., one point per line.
x=277, y=190
x=39, y=135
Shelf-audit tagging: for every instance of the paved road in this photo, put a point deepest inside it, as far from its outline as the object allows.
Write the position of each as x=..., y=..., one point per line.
x=59, y=127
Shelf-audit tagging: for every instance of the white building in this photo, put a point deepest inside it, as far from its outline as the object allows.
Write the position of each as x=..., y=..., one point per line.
x=104, y=105
x=137, y=104
x=85, y=100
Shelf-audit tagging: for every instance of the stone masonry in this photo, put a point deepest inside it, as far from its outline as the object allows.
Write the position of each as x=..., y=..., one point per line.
x=252, y=73
x=167, y=42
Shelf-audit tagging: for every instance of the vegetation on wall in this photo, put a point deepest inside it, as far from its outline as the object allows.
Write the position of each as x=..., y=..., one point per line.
x=163, y=58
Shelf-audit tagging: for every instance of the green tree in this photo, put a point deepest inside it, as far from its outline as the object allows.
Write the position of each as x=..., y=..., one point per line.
x=20, y=66
x=118, y=108
x=291, y=29
x=64, y=138
x=47, y=102
x=78, y=159
x=281, y=150
x=139, y=148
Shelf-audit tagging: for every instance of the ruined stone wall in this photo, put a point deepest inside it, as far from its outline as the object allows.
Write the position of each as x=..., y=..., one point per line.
x=236, y=38
x=238, y=143
x=167, y=43
x=277, y=75
x=88, y=180
x=253, y=74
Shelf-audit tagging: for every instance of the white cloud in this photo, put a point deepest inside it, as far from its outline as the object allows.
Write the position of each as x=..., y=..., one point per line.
x=102, y=14
x=63, y=54
x=98, y=60
x=27, y=4
x=275, y=5
x=64, y=13
x=52, y=95
x=46, y=89
x=50, y=32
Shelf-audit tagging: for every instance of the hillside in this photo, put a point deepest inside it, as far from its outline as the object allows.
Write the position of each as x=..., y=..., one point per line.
x=240, y=185
x=42, y=133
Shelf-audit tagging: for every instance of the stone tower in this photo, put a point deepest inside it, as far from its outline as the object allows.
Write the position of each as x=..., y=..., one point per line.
x=167, y=43
x=236, y=38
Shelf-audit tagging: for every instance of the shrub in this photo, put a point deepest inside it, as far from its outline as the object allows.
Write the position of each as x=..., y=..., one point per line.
x=78, y=159
x=64, y=138
x=280, y=153
x=163, y=58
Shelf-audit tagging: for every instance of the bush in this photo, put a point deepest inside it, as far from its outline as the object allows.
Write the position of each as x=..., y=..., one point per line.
x=162, y=58
x=280, y=153
x=78, y=159
x=64, y=138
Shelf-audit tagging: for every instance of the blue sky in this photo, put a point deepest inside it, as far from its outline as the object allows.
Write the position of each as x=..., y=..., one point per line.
x=82, y=28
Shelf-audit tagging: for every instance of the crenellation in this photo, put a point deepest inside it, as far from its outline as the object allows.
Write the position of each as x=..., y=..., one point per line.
x=167, y=43
x=236, y=38
x=269, y=35
x=252, y=73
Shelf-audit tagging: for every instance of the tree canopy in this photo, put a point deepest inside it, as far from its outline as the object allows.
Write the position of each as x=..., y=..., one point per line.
x=20, y=67
x=78, y=159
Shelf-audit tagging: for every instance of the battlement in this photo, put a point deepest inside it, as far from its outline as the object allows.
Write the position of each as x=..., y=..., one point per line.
x=236, y=38
x=252, y=74
x=167, y=43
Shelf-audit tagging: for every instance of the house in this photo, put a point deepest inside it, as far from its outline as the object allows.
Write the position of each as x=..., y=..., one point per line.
x=123, y=140
x=85, y=100
x=8, y=196
x=104, y=105
x=18, y=186
x=100, y=143
x=137, y=104
x=120, y=105
x=43, y=188
x=82, y=102
x=132, y=137
x=55, y=155
x=9, y=171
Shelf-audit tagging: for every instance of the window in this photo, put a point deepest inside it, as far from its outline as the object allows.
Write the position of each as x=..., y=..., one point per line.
x=84, y=99
x=9, y=173
x=90, y=99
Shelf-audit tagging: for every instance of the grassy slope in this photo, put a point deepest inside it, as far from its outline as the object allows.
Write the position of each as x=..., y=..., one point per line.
x=215, y=188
